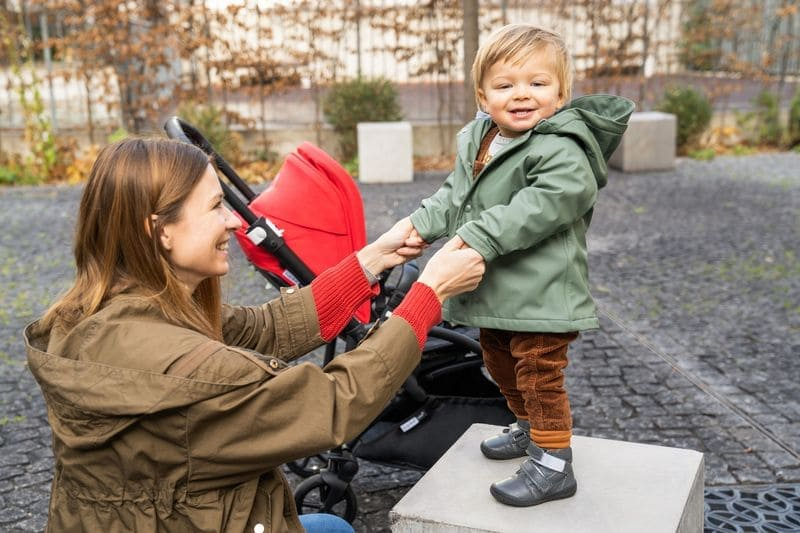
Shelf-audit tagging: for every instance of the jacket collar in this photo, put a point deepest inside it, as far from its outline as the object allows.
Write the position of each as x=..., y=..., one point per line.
x=469, y=141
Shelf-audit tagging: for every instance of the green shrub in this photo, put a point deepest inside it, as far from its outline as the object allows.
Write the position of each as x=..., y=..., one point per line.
x=10, y=175
x=794, y=120
x=209, y=120
x=741, y=149
x=351, y=166
x=761, y=126
x=15, y=170
x=348, y=103
x=703, y=154
x=692, y=110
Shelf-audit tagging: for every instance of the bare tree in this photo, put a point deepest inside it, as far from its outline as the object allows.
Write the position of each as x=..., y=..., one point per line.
x=129, y=44
x=470, y=51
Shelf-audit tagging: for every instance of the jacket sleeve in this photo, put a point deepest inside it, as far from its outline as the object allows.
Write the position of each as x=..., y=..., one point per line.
x=293, y=325
x=264, y=416
x=286, y=327
x=430, y=220
x=562, y=189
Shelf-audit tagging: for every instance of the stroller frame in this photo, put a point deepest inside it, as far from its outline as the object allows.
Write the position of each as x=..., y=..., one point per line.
x=327, y=489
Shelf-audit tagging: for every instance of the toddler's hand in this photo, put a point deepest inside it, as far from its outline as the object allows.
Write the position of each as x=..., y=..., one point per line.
x=415, y=240
x=390, y=249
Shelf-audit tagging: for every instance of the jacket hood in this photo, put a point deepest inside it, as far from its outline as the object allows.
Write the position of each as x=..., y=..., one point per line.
x=89, y=403
x=597, y=123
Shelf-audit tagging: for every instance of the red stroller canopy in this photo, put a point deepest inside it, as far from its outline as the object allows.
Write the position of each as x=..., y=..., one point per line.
x=319, y=208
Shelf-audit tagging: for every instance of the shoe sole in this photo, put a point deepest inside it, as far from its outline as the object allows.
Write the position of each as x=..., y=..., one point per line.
x=502, y=498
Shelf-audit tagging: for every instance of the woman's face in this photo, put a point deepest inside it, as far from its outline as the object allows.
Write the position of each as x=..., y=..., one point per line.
x=197, y=244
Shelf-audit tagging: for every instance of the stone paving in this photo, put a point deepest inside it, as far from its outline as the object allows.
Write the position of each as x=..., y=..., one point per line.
x=697, y=277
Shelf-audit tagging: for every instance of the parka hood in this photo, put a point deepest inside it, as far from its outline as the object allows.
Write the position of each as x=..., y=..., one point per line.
x=91, y=402
x=597, y=123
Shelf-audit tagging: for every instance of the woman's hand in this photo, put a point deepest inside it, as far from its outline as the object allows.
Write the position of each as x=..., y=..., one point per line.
x=454, y=269
x=394, y=247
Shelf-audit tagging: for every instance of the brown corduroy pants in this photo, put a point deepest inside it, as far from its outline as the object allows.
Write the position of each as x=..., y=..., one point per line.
x=529, y=369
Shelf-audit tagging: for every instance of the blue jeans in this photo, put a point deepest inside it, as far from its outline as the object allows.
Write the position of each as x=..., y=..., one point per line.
x=325, y=523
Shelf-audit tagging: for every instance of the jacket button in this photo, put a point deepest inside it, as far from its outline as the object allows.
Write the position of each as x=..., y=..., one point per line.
x=468, y=208
x=274, y=364
x=289, y=291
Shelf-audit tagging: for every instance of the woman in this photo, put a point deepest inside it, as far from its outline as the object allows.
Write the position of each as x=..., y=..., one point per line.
x=173, y=412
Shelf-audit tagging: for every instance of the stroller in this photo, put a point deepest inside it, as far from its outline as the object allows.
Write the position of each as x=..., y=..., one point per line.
x=313, y=209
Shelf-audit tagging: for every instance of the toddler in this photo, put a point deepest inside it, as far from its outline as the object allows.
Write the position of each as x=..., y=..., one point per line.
x=525, y=182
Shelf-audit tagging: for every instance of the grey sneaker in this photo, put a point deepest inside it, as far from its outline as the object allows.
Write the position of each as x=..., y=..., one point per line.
x=544, y=476
x=510, y=444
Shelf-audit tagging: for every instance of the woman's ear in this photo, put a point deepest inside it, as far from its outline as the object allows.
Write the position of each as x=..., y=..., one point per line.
x=166, y=238
x=164, y=234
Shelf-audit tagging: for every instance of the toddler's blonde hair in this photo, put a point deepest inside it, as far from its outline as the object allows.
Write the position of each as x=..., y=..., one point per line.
x=513, y=43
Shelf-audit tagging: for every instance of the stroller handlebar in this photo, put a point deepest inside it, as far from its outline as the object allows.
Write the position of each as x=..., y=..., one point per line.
x=183, y=131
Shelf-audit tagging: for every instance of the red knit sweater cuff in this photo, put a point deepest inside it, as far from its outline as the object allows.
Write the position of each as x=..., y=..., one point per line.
x=338, y=292
x=421, y=309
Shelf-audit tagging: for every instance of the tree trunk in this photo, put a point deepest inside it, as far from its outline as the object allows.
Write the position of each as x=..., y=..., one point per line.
x=207, y=33
x=358, y=38
x=643, y=74
x=470, y=51
x=89, y=117
x=785, y=55
x=263, y=75
x=43, y=21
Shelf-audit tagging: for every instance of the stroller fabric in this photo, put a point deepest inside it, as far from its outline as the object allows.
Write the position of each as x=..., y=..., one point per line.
x=318, y=206
x=415, y=433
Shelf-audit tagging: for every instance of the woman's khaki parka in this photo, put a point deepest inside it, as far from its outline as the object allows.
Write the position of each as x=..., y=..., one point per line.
x=157, y=428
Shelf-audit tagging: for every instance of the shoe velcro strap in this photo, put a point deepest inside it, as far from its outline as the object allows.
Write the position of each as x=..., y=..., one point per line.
x=520, y=437
x=535, y=477
x=543, y=458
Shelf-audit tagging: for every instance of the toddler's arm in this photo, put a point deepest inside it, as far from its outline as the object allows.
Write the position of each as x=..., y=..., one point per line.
x=430, y=220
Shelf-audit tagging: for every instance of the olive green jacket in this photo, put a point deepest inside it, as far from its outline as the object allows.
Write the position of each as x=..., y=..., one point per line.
x=527, y=213
x=158, y=428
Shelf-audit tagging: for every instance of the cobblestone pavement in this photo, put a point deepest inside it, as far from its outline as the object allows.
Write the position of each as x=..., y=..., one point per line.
x=697, y=277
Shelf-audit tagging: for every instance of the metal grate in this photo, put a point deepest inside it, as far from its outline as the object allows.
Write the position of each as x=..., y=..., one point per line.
x=769, y=509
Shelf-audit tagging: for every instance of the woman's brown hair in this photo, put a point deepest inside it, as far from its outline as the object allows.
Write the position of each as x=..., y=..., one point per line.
x=117, y=245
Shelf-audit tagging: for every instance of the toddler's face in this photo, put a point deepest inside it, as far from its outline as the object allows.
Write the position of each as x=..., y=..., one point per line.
x=519, y=95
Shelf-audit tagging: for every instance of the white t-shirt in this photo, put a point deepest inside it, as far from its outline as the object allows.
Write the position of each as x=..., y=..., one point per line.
x=498, y=143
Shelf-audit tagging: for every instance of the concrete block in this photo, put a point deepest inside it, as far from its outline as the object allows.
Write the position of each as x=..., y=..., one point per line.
x=385, y=152
x=623, y=487
x=648, y=143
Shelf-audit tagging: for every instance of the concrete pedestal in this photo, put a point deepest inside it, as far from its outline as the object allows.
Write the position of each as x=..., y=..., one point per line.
x=622, y=487
x=385, y=152
x=648, y=143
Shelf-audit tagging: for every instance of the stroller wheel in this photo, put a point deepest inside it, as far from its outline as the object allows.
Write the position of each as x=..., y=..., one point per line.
x=315, y=495
x=308, y=466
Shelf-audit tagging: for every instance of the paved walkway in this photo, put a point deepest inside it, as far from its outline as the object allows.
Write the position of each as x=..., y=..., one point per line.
x=697, y=275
